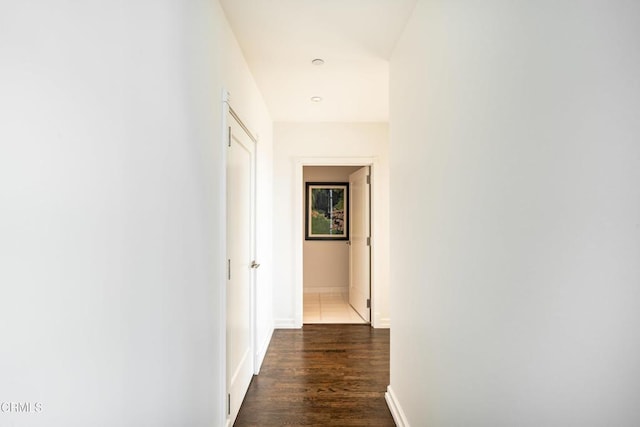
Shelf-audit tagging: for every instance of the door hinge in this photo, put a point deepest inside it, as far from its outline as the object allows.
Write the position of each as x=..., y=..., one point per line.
x=368, y=302
x=228, y=269
x=368, y=241
x=368, y=179
x=229, y=404
x=229, y=137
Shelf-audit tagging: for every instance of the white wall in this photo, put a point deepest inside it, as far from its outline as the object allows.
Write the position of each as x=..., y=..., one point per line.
x=297, y=144
x=326, y=263
x=515, y=214
x=111, y=176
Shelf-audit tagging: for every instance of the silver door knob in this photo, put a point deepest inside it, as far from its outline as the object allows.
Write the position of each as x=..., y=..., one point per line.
x=254, y=264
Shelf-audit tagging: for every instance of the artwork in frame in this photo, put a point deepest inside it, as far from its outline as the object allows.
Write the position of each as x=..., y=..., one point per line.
x=327, y=211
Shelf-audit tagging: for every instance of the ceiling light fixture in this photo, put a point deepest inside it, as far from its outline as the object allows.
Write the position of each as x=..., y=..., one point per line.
x=317, y=61
x=316, y=98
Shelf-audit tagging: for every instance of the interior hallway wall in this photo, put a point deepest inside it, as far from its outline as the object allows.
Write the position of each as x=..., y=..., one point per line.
x=294, y=141
x=515, y=214
x=111, y=235
x=326, y=263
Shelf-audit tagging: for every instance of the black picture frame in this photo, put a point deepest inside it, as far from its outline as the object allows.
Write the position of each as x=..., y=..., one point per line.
x=327, y=211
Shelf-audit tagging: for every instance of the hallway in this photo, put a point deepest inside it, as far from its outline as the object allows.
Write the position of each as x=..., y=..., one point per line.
x=323, y=375
x=504, y=145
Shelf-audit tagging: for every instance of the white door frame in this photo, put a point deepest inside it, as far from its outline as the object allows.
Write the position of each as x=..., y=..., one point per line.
x=298, y=227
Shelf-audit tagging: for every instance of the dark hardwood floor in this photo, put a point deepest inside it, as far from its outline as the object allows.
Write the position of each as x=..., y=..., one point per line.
x=322, y=375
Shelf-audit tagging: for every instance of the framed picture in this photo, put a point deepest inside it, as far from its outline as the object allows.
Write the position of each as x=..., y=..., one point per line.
x=327, y=211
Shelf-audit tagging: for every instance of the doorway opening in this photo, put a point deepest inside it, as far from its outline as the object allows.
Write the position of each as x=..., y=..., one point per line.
x=336, y=246
x=378, y=238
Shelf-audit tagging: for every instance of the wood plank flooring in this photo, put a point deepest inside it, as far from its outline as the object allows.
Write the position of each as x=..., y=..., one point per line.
x=321, y=375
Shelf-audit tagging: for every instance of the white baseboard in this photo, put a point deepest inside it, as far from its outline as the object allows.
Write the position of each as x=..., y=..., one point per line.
x=285, y=324
x=326, y=289
x=396, y=410
x=382, y=323
x=262, y=352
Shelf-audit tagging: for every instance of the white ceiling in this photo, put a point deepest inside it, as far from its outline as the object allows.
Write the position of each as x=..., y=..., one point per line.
x=355, y=38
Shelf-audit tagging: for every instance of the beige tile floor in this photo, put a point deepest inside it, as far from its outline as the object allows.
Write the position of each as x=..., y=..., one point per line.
x=329, y=308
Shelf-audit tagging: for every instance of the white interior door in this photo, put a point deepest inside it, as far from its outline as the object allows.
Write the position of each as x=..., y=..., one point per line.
x=360, y=248
x=240, y=253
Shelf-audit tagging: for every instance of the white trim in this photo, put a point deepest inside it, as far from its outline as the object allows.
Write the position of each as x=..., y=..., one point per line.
x=286, y=324
x=262, y=352
x=384, y=323
x=298, y=227
x=396, y=410
x=222, y=279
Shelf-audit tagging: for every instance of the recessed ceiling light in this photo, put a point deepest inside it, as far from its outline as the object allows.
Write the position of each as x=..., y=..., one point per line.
x=316, y=98
x=317, y=61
